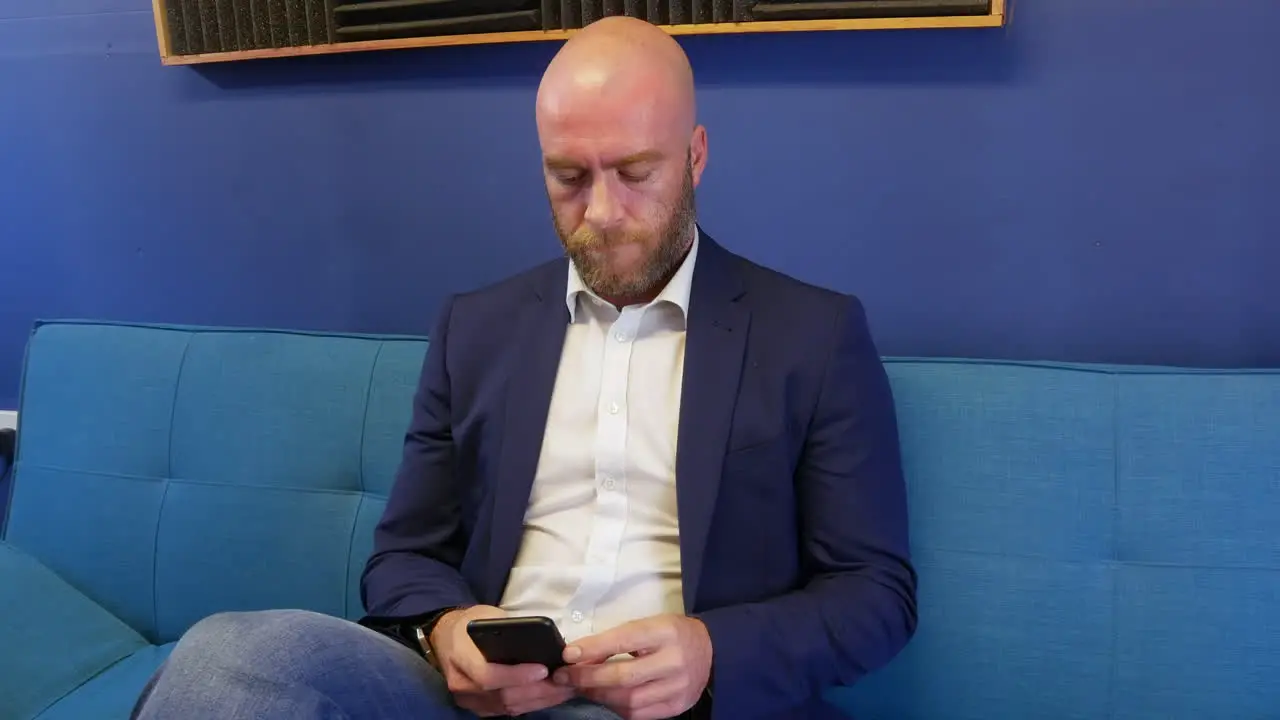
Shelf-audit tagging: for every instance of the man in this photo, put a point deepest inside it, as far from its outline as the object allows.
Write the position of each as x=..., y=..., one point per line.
x=687, y=461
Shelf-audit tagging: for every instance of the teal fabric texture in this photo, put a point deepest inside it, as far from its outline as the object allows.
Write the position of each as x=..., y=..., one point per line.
x=1093, y=541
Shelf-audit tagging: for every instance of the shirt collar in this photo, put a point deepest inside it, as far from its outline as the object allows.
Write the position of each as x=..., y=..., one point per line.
x=676, y=292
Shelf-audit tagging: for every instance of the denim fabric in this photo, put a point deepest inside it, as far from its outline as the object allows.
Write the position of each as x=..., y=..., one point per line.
x=299, y=664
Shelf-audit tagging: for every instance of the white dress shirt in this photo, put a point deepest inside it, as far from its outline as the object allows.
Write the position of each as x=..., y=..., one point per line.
x=601, y=542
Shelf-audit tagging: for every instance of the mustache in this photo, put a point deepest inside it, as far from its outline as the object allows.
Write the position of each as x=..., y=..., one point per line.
x=586, y=238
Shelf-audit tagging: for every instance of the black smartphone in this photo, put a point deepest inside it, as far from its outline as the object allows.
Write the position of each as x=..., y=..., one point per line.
x=519, y=640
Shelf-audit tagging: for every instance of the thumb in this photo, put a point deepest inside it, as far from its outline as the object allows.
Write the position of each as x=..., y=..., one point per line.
x=629, y=638
x=464, y=654
x=466, y=659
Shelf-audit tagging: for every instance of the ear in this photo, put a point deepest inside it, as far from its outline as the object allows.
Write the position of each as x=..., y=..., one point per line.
x=698, y=153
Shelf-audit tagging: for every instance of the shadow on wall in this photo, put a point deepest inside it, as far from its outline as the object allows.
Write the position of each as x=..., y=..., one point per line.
x=967, y=57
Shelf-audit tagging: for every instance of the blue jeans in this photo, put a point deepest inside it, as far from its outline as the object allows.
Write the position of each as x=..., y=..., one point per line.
x=303, y=665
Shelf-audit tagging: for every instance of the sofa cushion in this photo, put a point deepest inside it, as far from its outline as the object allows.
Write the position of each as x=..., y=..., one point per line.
x=1011, y=491
x=114, y=692
x=55, y=638
x=1093, y=542
x=209, y=469
x=1198, y=544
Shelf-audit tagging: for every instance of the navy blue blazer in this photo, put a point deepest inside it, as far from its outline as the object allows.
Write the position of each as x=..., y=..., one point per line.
x=791, y=499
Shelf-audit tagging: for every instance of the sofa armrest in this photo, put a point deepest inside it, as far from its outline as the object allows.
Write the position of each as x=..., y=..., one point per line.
x=52, y=637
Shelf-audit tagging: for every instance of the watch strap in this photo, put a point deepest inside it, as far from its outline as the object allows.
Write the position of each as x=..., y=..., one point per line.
x=422, y=634
x=406, y=629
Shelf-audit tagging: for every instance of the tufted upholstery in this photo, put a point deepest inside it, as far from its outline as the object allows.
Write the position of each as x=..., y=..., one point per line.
x=1093, y=542
x=169, y=473
x=213, y=471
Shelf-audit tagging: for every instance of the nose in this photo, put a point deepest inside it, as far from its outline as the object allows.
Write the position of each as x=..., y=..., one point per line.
x=603, y=206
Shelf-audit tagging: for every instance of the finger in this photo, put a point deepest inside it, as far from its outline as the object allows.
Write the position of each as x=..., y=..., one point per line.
x=459, y=684
x=479, y=704
x=466, y=660
x=651, y=701
x=620, y=673
x=459, y=672
x=616, y=699
x=660, y=699
x=659, y=711
x=531, y=698
x=483, y=675
x=499, y=677
x=514, y=700
x=633, y=637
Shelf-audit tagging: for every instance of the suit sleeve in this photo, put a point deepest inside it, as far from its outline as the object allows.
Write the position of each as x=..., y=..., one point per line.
x=858, y=607
x=419, y=542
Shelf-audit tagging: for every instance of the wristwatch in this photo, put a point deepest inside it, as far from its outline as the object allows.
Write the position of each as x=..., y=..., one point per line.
x=422, y=632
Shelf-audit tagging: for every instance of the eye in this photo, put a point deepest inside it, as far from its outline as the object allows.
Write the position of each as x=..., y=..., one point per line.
x=635, y=174
x=569, y=177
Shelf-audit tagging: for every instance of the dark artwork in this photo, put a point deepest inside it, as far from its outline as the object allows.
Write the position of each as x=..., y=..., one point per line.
x=213, y=25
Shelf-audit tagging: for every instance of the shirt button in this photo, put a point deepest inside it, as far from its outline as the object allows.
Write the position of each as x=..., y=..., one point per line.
x=577, y=616
x=620, y=337
x=609, y=483
x=614, y=408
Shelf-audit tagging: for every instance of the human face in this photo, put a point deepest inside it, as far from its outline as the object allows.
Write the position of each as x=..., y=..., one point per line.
x=622, y=202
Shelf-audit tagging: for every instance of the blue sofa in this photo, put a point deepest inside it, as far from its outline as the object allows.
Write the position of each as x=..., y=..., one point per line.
x=1093, y=542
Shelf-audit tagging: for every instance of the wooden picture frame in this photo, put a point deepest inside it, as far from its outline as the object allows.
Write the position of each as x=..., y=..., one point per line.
x=209, y=31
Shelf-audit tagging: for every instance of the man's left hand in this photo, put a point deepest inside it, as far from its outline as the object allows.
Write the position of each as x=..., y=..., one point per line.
x=669, y=667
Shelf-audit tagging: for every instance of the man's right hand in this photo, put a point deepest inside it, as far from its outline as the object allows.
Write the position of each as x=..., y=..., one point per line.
x=486, y=689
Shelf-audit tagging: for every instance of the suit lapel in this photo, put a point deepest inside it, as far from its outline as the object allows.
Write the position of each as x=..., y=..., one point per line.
x=535, y=359
x=715, y=345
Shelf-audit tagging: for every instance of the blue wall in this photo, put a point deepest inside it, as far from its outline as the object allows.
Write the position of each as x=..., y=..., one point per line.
x=1100, y=181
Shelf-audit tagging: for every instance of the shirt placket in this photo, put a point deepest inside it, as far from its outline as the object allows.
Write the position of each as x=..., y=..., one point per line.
x=609, y=520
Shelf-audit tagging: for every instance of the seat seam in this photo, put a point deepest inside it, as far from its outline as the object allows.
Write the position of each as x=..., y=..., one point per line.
x=90, y=679
x=364, y=421
x=351, y=550
x=164, y=494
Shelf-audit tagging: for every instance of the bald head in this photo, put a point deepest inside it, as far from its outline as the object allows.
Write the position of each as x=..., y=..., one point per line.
x=623, y=60
x=622, y=153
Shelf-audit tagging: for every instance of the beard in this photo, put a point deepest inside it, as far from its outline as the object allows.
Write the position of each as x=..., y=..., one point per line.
x=589, y=249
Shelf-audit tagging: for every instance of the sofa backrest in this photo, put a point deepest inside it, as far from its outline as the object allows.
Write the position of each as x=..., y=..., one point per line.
x=1093, y=542
x=170, y=473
